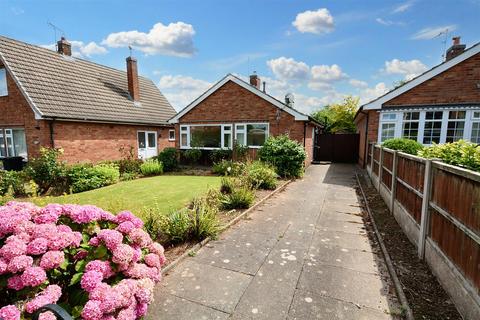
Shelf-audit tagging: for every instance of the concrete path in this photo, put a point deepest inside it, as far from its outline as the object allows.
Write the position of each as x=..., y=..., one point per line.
x=304, y=254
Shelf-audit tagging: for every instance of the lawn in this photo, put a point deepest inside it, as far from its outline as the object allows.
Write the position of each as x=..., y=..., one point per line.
x=163, y=193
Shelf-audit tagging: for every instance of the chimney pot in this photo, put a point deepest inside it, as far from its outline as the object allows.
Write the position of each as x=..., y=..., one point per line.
x=132, y=77
x=455, y=50
x=255, y=80
x=64, y=47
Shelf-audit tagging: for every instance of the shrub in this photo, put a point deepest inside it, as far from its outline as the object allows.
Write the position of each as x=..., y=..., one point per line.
x=13, y=181
x=241, y=198
x=227, y=185
x=169, y=158
x=175, y=226
x=192, y=155
x=204, y=220
x=240, y=152
x=128, y=176
x=84, y=177
x=151, y=167
x=79, y=257
x=405, y=145
x=220, y=154
x=129, y=165
x=459, y=153
x=260, y=175
x=228, y=168
x=286, y=155
x=48, y=171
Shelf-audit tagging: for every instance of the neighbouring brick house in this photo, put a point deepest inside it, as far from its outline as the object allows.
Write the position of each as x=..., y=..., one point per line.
x=52, y=99
x=234, y=111
x=441, y=105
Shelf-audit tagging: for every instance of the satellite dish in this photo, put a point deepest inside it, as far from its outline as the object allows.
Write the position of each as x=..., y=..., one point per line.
x=289, y=99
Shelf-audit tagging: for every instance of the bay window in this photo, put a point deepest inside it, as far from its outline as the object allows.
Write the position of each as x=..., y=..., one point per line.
x=410, y=125
x=388, y=124
x=433, y=127
x=456, y=125
x=13, y=142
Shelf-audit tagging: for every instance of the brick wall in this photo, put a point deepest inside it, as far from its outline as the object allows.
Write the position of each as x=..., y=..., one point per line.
x=372, y=133
x=456, y=85
x=82, y=141
x=232, y=103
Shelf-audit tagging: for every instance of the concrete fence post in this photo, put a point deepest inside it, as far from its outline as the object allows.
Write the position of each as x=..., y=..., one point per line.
x=425, y=218
x=380, y=166
x=393, y=188
x=372, y=152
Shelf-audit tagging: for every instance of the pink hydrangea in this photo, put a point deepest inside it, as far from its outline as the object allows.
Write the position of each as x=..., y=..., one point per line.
x=156, y=248
x=90, y=280
x=141, y=310
x=111, y=238
x=140, y=237
x=127, y=313
x=111, y=301
x=123, y=254
x=3, y=266
x=92, y=310
x=144, y=292
x=34, y=276
x=15, y=282
x=152, y=260
x=100, y=292
x=128, y=216
x=94, y=241
x=13, y=247
x=140, y=271
x=52, y=259
x=126, y=227
x=37, y=246
x=10, y=312
x=48, y=214
x=19, y=263
x=50, y=295
x=103, y=267
x=82, y=254
x=83, y=214
x=60, y=240
x=47, y=316
x=44, y=231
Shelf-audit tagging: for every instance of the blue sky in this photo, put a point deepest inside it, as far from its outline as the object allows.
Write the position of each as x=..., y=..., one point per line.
x=319, y=50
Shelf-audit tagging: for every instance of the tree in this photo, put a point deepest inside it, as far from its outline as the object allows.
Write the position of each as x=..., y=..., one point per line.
x=338, y=118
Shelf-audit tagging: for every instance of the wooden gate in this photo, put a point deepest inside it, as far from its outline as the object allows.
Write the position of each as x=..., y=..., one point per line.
x=336, y=147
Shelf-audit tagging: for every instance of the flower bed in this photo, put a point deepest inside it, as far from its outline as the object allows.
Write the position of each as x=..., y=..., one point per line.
x=94, y=264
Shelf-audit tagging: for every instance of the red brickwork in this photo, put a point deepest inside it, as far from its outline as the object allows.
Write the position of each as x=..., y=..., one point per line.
x=232, y=103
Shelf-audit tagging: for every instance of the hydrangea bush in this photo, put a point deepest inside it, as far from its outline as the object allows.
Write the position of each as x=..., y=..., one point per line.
x=94, y=264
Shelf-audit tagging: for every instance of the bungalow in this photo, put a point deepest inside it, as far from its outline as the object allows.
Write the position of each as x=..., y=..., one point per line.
x=234, y=111
x=441, y=105
x=93, y=112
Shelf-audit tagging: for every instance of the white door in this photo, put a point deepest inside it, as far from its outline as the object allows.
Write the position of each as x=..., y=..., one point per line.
x=147, y=144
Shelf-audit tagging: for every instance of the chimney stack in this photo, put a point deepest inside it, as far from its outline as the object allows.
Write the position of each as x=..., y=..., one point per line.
x=455, y=50
x=64, y=47
x=255, y=80
x=132, y=75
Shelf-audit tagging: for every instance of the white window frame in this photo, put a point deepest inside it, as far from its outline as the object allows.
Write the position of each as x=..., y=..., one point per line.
x=244, y=131
x=186, y=130
x=446, y=118
x=170, y=136
x=410, y=122
x=3, y=74
x=386, y=118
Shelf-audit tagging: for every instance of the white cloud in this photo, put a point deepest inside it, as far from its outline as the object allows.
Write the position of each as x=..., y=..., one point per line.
x=175, y=39
x=410, y=69
x=80, y=49
x=325, y=73
x=387, y=22
x=317, y=22
x=369, y=94
x=433, y=32
x=358, y=83
x=288, y=68
x=181, y=90
x=403, y=7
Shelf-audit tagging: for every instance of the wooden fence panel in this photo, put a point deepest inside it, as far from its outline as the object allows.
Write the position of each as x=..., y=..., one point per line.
x=369, y=154
x=412, y=172
x=376, y=159
x=387, y=169
x=411, y=201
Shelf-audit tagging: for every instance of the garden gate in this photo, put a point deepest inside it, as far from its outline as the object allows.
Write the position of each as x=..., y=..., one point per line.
x=336, y=147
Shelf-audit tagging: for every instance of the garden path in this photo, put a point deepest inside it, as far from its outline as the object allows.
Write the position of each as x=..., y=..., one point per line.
x=304, y=254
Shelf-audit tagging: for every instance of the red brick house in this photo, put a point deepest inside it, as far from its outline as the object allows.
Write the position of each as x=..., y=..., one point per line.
x=233, y=110
x=52, y=99
x=441, y=105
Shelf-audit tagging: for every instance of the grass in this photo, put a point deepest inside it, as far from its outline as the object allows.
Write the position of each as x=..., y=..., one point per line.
x=164, y=193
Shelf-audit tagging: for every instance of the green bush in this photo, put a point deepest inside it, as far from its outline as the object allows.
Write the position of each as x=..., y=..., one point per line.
x=192, y=155
x=169, y=158
x=204, y=220
x=151, y=167
x=240, y=152
x=229, y=168
x=128, y=176
x=404, y=145
x=260, y=175
x=175, y=226
x=84, y=177
x=220, y=154
x=241, y=198
x=227, y=185
x=286, y=155
x=47, y=171
x=459, y=153
x=129, y=165
x=13, y=181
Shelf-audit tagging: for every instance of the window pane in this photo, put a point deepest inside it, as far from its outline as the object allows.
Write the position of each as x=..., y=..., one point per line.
x=410, y=130
x=256, y=134
x=476, y=115
x=434, y=115
x=456, y=115
x=411, y=115
x=3, y=82
x=19, y=142
x=183, y=140
x=151, y=140
x=240, y=138
x=432, y=132
x=475, y=138
x=171, y=134
x=389, y=116
x=205, y=136
x=141, y=140
x=227, y=140
x=455, y=131
x=388, y=131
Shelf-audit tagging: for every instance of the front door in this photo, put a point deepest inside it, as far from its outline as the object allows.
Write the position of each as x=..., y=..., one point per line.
x=147, y=144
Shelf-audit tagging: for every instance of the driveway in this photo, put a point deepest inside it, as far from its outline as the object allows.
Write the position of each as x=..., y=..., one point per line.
x=304, y=254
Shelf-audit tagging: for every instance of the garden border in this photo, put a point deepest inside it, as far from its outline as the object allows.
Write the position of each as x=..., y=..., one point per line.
x=202, y=243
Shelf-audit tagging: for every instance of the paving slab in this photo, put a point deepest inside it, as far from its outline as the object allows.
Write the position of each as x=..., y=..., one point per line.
x=208, y=285
x=364, y=289
x=349, y=226
x=311, y=306
x=342, y=239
